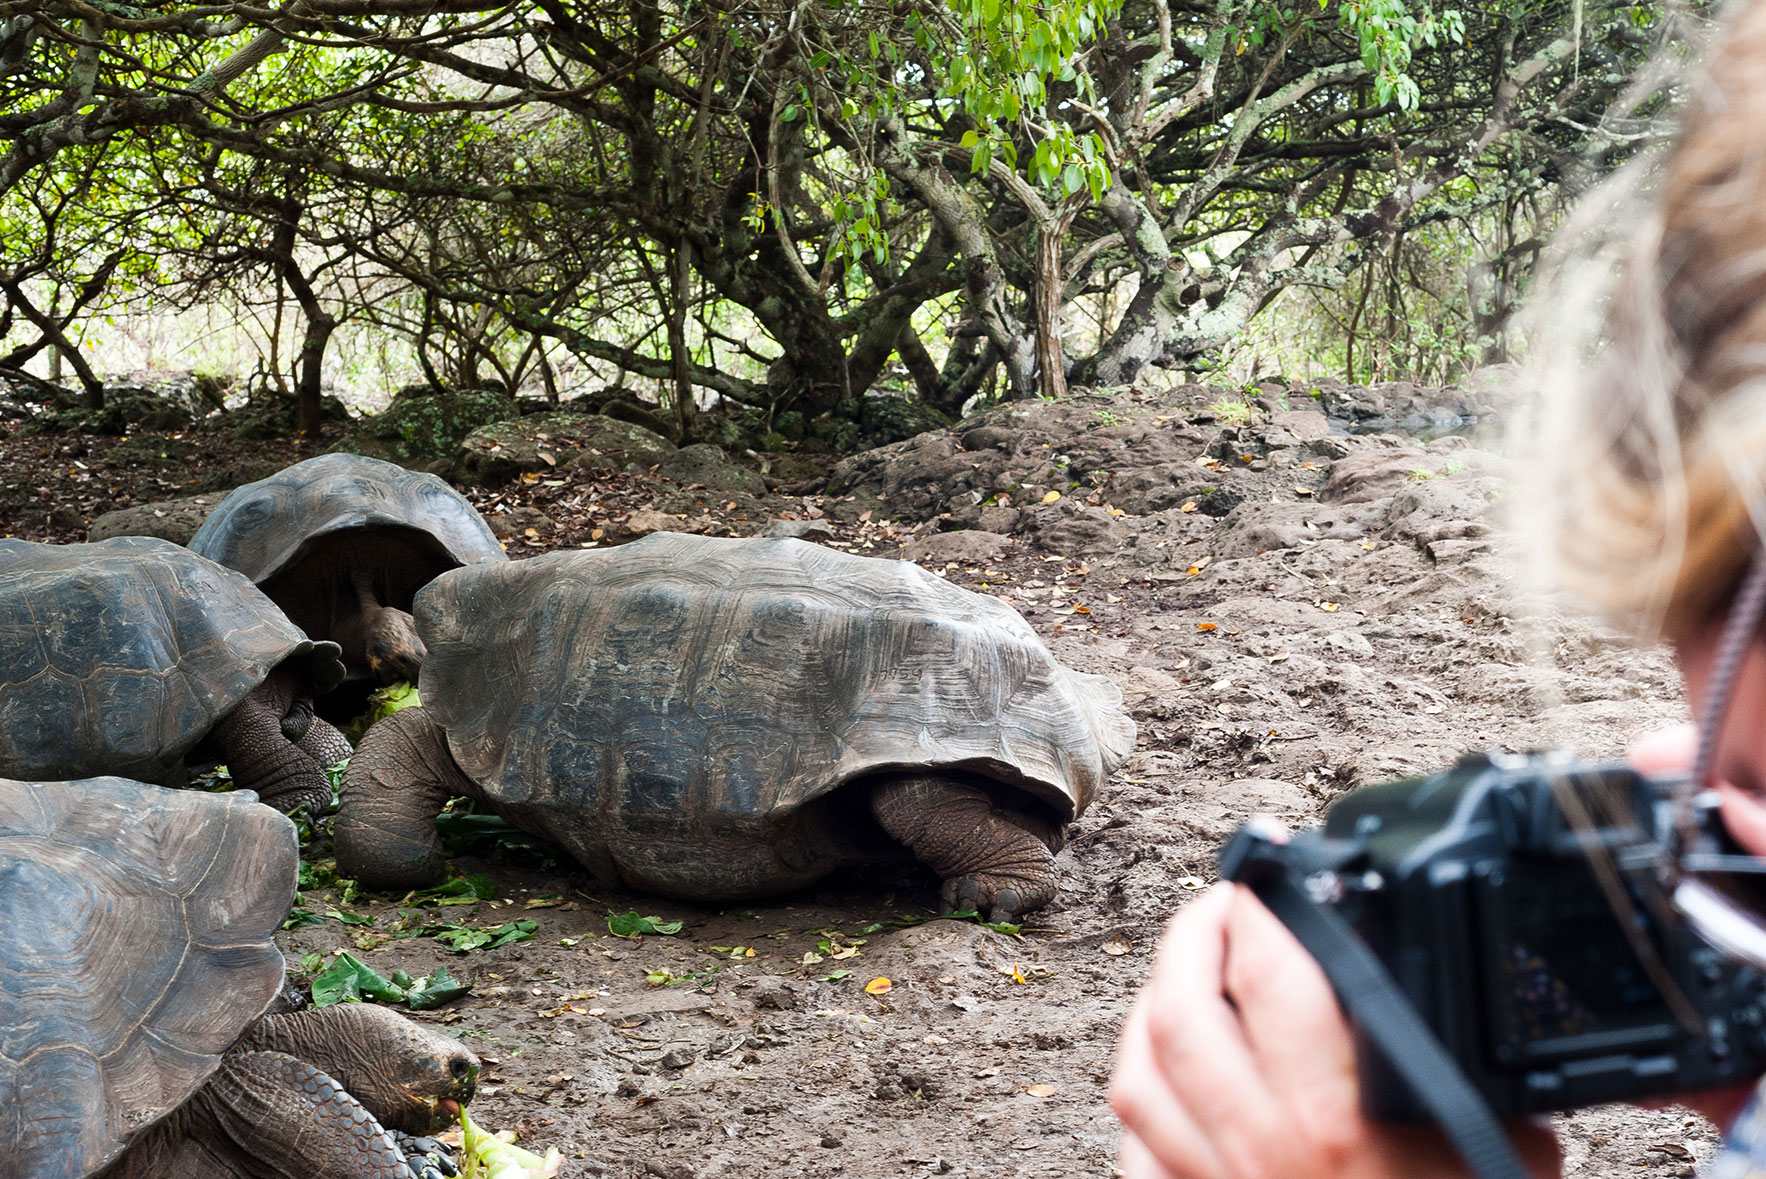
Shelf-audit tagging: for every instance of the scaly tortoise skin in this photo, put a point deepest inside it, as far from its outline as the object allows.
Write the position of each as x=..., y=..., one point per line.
x=342, y=543
x=122, y=657
x=682, y=714
x=136, y=961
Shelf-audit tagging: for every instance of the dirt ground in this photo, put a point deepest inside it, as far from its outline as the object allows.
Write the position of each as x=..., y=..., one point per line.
x=1290, y=610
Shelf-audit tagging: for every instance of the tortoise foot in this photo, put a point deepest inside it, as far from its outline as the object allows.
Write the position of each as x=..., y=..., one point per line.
x=1001, y=898
x=427, y=1158
x=994, y=861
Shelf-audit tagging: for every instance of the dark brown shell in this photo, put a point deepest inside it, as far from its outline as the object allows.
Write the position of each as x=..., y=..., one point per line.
x=268, y=528
x=135, y=947
x=118, y=657
x=653, y=702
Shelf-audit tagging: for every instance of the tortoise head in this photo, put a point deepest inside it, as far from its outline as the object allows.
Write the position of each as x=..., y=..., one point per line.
x=395, y=653
x=408, y=1077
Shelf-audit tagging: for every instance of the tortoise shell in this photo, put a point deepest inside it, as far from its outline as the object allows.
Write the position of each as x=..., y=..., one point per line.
x=270, y=529
x=137, y=948
x=118, y=657
x=650, y=704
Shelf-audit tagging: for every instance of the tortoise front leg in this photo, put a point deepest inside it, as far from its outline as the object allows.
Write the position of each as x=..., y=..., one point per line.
x=397, y=783
x=325, y=744
x=316, y=737
x=262, y=758
x=996, y=861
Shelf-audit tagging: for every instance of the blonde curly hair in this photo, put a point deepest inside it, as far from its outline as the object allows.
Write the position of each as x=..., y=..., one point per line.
x=1651, y=456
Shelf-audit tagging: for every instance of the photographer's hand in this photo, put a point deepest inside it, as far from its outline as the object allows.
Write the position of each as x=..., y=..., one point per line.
x=1672, y=751
x=1237, y=1064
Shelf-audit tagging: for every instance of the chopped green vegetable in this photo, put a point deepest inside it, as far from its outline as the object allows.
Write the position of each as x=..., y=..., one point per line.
x=465, y=832
x=495, y=1156
x=463, y=938
x=382, y=703
x=433, y=990
x=461, y=890
x=632, y=925
x=348, y=979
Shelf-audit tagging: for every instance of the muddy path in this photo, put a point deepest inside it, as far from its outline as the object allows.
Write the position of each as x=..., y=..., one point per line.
x=1290, y=609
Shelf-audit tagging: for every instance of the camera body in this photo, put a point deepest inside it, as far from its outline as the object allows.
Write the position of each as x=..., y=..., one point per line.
x=1482, y=898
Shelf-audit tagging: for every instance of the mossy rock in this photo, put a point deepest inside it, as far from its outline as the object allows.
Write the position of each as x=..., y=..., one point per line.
x=501, y=451
x=269, y=417
x=424, y=427
x=175, y=520
x=710, y=466
x=124, y=406
x=883, y=420
x=149, y=450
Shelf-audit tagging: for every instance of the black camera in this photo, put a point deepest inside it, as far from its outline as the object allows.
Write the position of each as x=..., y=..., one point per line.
x=1519, y=904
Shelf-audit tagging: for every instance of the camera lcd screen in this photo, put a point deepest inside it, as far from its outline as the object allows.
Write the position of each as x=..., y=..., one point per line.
x=1565, y=979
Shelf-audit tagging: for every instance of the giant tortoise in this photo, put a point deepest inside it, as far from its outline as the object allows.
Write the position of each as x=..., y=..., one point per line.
x=135, y=970
x=127, y=656
x=719, y=719
x=342, y=543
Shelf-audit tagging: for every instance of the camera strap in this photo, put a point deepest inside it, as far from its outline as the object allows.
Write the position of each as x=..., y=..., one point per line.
x=1387, y=1018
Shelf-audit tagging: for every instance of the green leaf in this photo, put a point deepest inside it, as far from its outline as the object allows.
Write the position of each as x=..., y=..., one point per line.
x=301, y=918
x=348, y=979
x=462, y=890
x=790, y=113
x=632, y=925
x=970, y=138
x=336, y=914
x=432, y=990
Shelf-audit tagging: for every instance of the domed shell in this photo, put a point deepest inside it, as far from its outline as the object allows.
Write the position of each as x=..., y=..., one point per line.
x=137, y=948
x=265, y=529
x=695, y=691
x=118, y=657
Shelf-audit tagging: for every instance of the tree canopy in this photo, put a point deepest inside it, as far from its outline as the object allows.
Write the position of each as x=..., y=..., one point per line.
x=773, y=200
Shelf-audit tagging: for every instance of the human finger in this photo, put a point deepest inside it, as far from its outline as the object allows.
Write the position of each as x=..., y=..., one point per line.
x=1293, y=1023
x=1135, y=1161
x=1744, y=815
x=1199, y=1045
x=1150, y=1109
x=1665, y=750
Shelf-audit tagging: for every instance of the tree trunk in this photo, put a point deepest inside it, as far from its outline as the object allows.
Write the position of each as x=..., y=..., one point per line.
x=678, y=273
x=1051, y=362
x=94, y=388
x=919, y=365
x=312, y=357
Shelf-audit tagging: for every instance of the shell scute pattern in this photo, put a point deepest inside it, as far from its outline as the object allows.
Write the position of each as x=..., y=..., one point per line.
x=262, y=528
x=118, y=657
x=686, y=688
x=138, y=946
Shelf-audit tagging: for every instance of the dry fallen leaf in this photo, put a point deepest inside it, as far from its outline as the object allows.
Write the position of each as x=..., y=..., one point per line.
x=1051, y=497
x=878, y=986
x=549, y=459
x=1189, y=506
x=1192, y=883
x=1302, y=491
x=1327, y=606
x=1281, y=658
x=1116, y=945
x=1048, y=1091
x=1207, y=626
